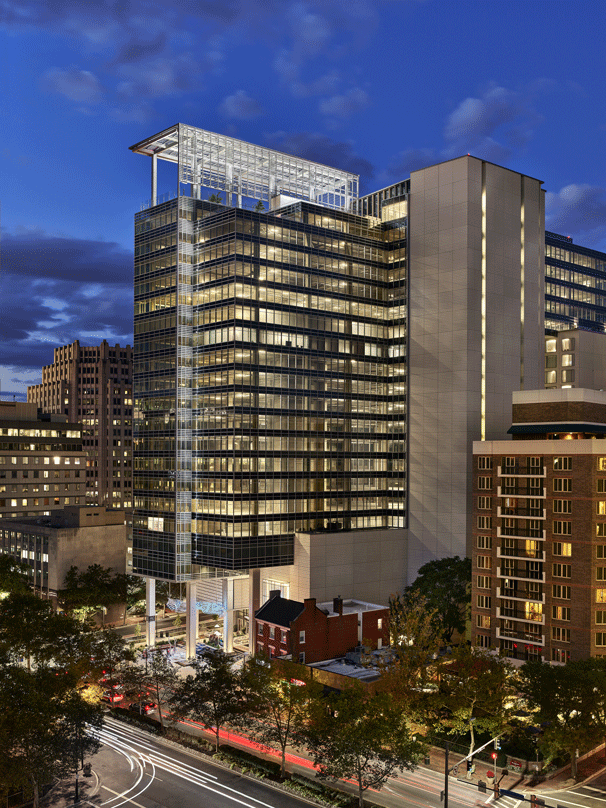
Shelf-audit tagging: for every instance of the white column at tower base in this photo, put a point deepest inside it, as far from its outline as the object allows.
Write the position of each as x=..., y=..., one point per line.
x=150, y=611
x=228, y=614
x=254, y=598
x=191, y=620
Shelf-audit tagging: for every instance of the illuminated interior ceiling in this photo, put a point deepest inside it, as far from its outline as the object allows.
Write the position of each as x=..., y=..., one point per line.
x=220, y=163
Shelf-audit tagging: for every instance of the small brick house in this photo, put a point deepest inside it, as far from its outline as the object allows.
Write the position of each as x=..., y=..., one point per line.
x=309, y=632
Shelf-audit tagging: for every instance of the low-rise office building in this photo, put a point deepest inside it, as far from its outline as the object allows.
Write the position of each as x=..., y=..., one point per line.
x=75, y=536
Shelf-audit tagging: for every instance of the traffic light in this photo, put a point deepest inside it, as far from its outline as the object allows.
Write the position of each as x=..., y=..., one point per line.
x=469, y=764
x=493, y=755
x=497, y=743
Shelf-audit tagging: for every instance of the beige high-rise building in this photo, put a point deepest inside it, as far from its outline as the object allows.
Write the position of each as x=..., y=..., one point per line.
x=42, y=465
x=93, y=386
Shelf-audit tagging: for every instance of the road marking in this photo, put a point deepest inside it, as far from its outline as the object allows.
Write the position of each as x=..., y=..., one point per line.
x=117, y=793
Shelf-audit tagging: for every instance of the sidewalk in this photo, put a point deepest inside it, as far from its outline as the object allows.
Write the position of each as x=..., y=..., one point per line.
x=508, y=781
x=62, y=794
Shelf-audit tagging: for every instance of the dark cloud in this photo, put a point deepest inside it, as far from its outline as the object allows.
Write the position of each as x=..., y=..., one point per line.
x=578, y=210
x=136, y=48
x=240, y=106
x=56, y=290
x=322, y=149
x=410, y=160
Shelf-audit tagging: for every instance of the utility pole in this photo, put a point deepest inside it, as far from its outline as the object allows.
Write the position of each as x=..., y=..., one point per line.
x=446, y=775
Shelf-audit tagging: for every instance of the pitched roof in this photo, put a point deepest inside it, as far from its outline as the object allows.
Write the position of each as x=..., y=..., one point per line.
x=279, y=611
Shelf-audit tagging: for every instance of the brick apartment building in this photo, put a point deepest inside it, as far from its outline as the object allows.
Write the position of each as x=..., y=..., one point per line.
x=310, y=632
x=539, y=530
x=93, y=386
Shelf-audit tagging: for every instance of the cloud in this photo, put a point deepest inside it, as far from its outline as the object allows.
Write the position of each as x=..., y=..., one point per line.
x=342, y=106
x=577, y=209
x=240, y=105
x=77, y=85
x=492, y=125
x=322, y=149
x=56, y=290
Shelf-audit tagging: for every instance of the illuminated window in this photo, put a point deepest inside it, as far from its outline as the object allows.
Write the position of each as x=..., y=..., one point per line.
x=562, y=548
x=483, y=620
x=562, y=463
x=561, y=612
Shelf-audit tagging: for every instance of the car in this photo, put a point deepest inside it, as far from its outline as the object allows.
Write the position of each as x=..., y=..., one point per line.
x=112, y=697
x=143, y=708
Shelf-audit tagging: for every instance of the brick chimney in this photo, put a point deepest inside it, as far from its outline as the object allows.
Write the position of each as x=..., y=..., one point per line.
x=337, y=605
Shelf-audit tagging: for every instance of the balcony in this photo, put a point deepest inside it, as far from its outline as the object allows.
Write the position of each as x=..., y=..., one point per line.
x=517, y=574
x=520, y=594
x=518, y=614
x=521, y=636
x=520, y=491
x=518, y=552
x=519, y=533
x=528, y=513
x=521, y=471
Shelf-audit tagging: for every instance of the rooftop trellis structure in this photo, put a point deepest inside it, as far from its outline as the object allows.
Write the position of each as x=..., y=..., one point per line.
x=244, y=171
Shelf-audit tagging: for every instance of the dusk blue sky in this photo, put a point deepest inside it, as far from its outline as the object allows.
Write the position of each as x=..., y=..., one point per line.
x=378, y=87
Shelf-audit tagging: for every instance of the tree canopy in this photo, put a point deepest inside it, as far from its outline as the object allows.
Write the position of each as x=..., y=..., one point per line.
x=361, y=737
x=446, y=586
x=213, y=696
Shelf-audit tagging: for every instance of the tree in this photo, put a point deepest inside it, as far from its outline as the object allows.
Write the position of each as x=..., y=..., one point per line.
x=213, y=696
x=42, y=727
x=111, y=654
x=475, y=694
x=446, y=586
x=362, y=737
x=14, y=575
x=414, y=635
x=259, y=206
x=86, y=593
x=278, y=696
x=162, y=681
x=27, y=627
x=215, y=198
x=565, y=704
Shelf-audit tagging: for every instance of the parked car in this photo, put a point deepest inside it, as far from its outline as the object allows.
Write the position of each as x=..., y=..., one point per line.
x=143, y=708
x=112, y=697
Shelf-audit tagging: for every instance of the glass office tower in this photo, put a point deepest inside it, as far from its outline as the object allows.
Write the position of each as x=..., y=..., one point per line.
x=270, y=359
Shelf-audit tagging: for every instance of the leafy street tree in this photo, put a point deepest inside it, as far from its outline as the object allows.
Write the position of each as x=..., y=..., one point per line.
x=213, y=696
x=86, y=593
x=415, y=638
x=278, y=696
x=215, y=198
x=259, y=206
x=565, y=705
x=162, y=682
x=446, y=586
x=14, y=575
x=111, y=654
x=475, y=694
x=28, y=628
x=360, y=737
x=42, y=717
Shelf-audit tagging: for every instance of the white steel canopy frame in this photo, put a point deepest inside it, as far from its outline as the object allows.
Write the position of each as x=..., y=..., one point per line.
x=243, y=170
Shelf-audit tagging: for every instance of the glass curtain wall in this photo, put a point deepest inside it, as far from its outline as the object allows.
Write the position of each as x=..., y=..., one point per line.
x=270, y=378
